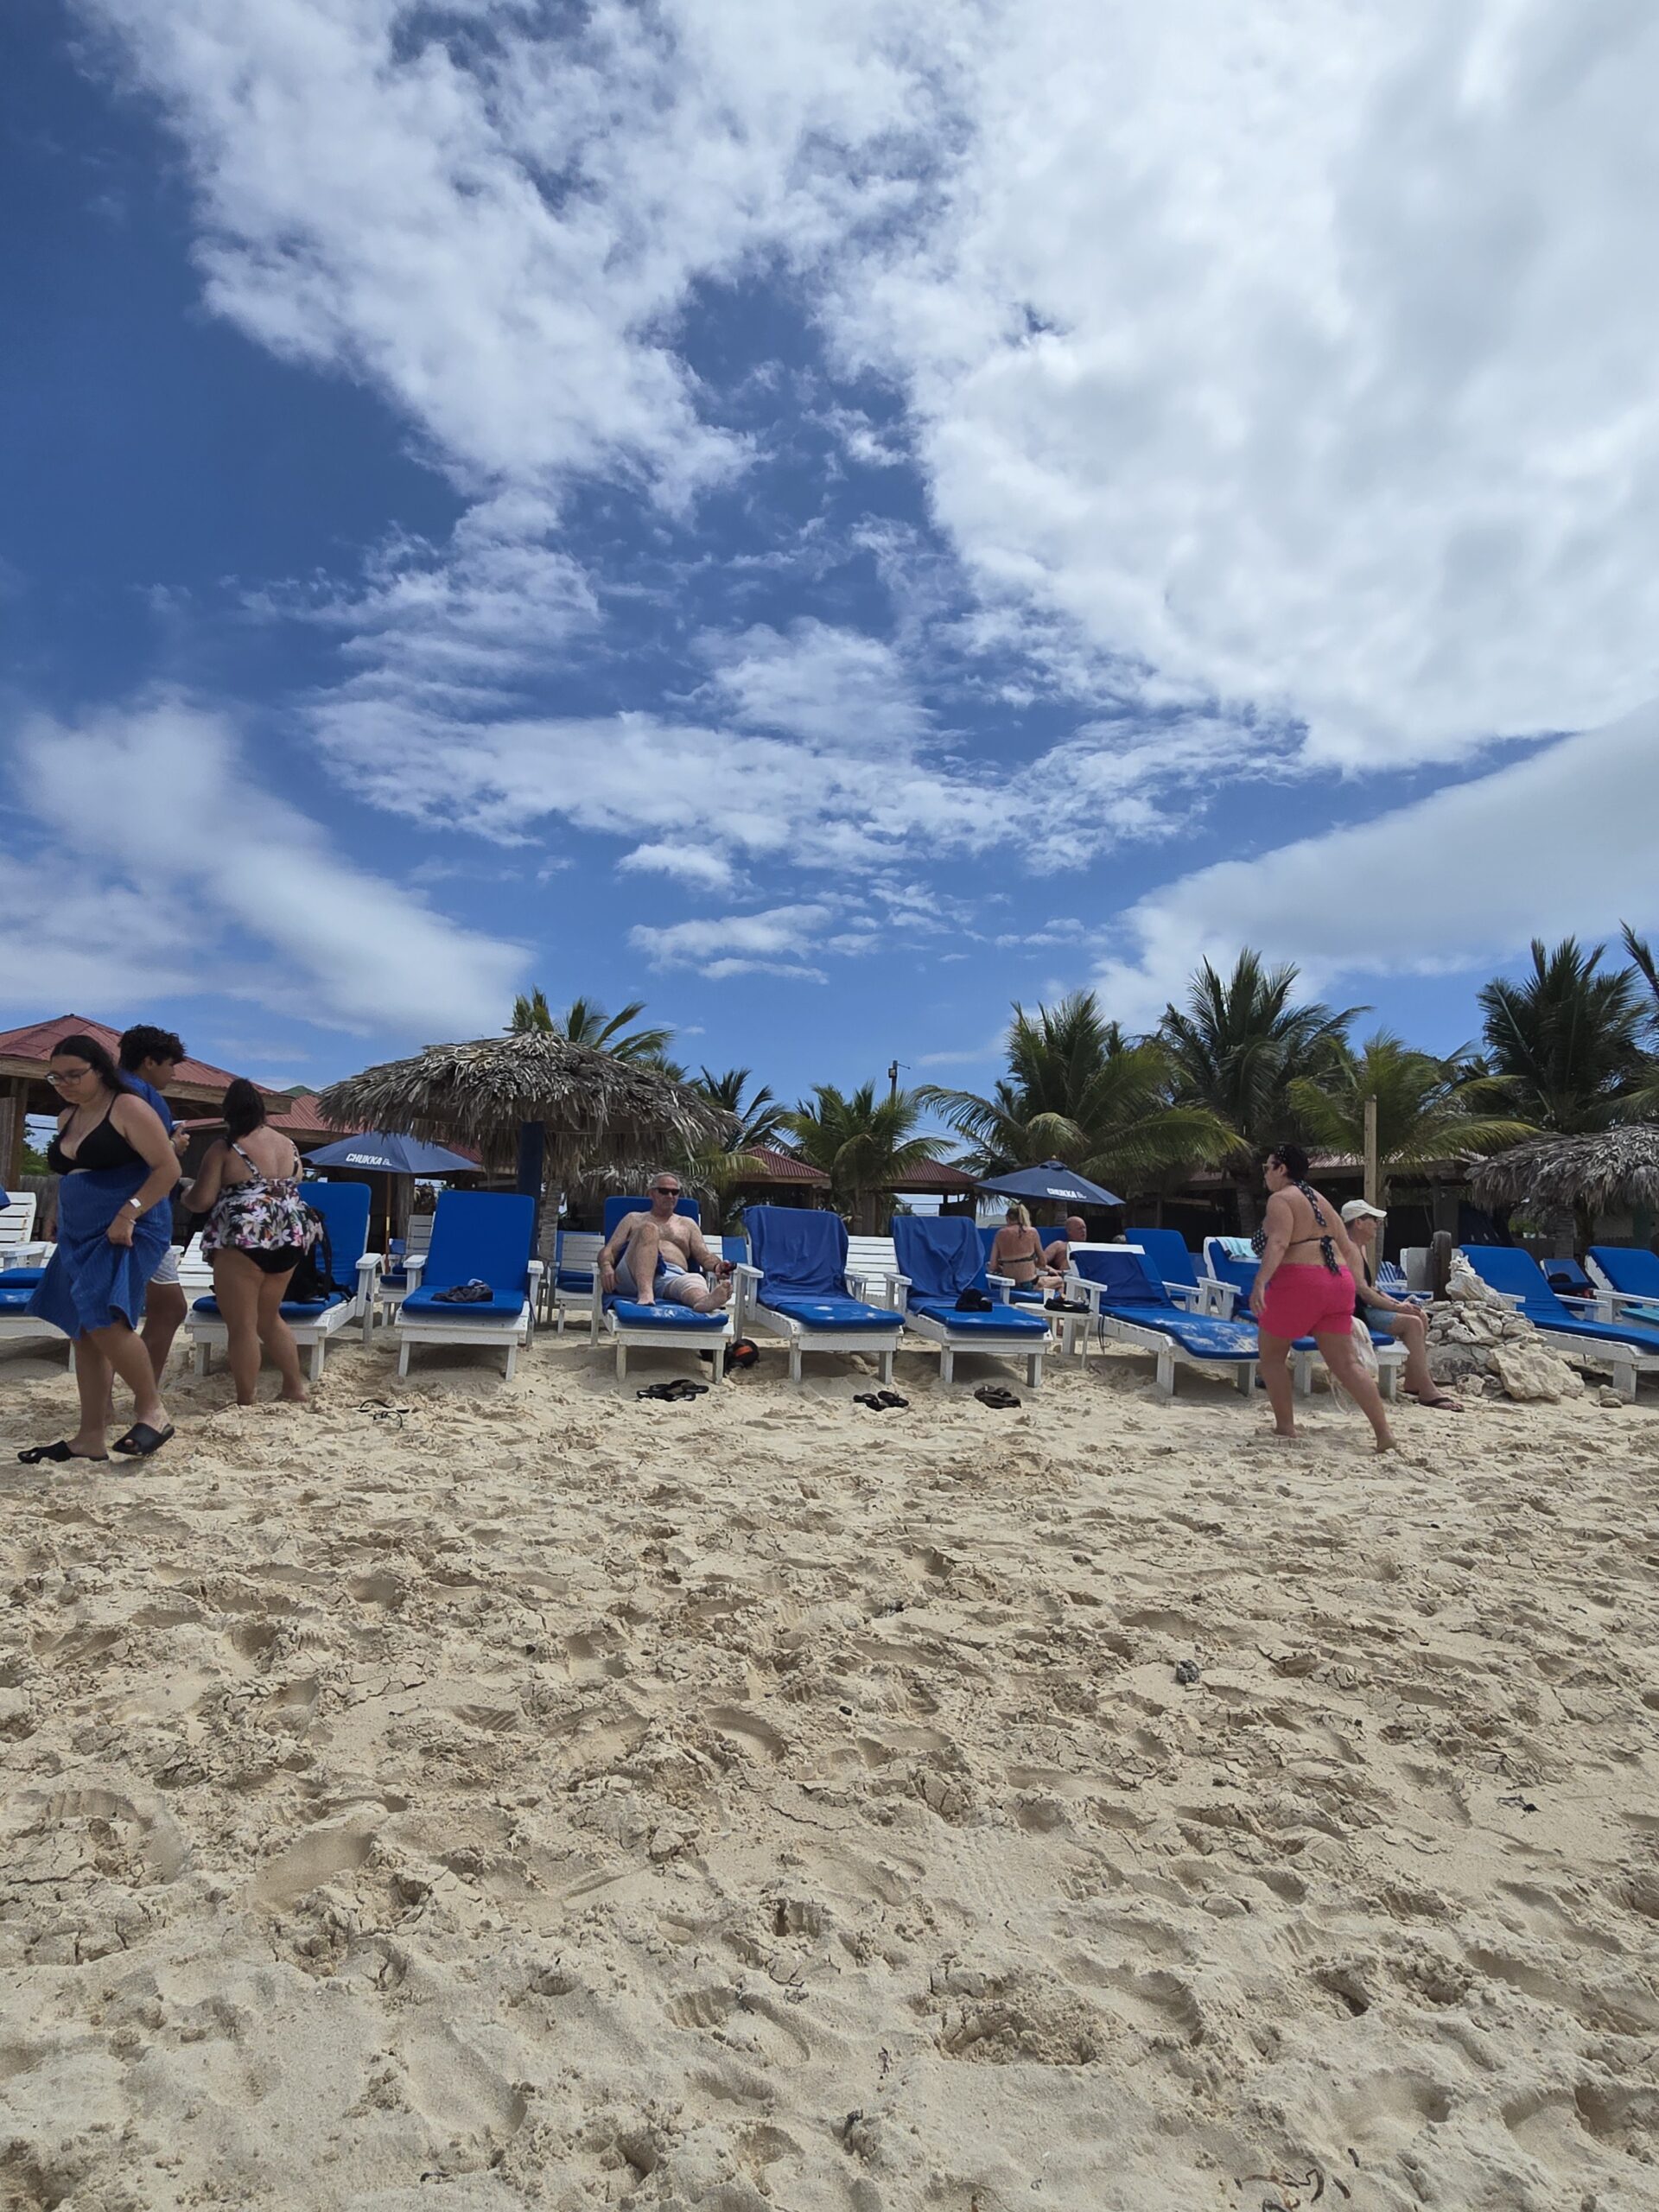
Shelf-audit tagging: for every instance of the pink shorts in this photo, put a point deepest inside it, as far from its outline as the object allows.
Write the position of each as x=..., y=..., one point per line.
x=1308, y=1300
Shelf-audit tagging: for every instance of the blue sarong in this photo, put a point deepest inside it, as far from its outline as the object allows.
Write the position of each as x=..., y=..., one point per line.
x=90, y=1282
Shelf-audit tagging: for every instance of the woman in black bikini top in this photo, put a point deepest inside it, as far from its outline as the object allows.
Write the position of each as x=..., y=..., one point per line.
x=113, y=1229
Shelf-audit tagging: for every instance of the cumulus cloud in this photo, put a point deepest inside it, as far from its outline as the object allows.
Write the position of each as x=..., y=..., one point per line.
x=1560, y=842
x=157, y=806
x=1276, y=377
x=767, y=943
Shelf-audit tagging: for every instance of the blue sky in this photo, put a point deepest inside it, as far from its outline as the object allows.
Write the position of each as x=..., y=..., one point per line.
x=828, y=519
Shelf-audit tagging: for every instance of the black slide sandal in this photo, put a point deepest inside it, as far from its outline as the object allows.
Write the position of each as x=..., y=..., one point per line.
x=58, y=1453
x=992, y=1394
x=141, y=1440
x=892, y=1401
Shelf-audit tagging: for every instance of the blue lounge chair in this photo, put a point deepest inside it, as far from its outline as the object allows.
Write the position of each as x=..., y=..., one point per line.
x=1565, y=1277
x=1626, y=1348
x=477, y=1236
x=796, y=1286
x=938, y=1258
x=653, y=1323
x=1231, y=1259
x=1169, y=1258
x=1625, y=1281
x=345, y=1210
x=1130, y=1304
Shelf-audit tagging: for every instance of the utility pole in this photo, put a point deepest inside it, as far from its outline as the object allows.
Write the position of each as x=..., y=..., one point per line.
x=893, y=1083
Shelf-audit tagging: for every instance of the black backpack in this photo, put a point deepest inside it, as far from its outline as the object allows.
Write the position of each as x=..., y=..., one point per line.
x=314, y=1278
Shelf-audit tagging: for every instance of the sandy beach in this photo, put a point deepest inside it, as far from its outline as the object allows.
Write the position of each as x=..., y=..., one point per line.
x=536, y=1796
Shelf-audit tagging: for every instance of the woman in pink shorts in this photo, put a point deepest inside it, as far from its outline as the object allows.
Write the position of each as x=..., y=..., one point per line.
x=1304, y=1287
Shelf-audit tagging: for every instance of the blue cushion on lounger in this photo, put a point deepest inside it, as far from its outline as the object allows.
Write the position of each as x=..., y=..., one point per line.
x=431, y=1307
x=575, y=1279
x=13, y=1299
x=20, y=1278
x=633, y=1314
x=292, y=1309
x=1516, y=1273
x=831, y=1312
x=1001, y=1321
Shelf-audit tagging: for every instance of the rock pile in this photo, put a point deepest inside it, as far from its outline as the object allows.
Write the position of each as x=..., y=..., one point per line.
x=1472, y=1331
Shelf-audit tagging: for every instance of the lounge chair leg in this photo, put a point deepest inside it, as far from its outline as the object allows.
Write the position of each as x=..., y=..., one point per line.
x=314, y=1372
x=201, y=1355
x=403, y=1355
x=887, y=1369
x=1302, y=1366
x=947, y=1363
x=1034, y=1372
x=1624, y=1381
x=1245, y=1378
x=512, y=1356
x=795, y=1374
x=1389, y=1380
x=1166, y=1373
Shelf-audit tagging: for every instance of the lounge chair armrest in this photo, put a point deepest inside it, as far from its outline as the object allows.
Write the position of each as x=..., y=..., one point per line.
x=414, y=1269
x=1584, y=1307
x=1081, y=1286
x=745, y=1271
x=1003, y=1286
x=533, y=1274
x=1223, y=1297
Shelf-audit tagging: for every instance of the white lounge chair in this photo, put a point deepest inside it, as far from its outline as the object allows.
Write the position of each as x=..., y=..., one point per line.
x=1624, y=1349
x=940, y=1259
x=314, y=1322
x=797, y=1287
x=19, y=1247
x=477, y=1236
x=649, y=1323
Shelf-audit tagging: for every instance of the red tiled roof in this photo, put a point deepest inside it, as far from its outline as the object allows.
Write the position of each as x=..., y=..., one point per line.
x=784, y=1167
x=938, y=1175
x=36, y=1041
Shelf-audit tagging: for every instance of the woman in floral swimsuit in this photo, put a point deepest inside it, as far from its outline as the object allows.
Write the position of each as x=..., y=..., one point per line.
x=260, y=1230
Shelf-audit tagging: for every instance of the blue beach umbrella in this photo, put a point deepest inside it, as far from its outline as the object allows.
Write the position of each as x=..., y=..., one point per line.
x=1053, y=1180
x=384, y=1154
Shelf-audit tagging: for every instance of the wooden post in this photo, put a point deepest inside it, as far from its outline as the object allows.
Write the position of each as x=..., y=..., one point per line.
x=1373, y=1166
x=532, y=1160
x=11, y=1150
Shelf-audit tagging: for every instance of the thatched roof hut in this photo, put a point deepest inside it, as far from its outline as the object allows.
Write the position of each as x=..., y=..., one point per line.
x=1586, y=1175
x=591, y=1105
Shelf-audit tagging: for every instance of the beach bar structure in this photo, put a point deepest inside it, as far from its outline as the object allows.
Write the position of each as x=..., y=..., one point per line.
x=24, y=1089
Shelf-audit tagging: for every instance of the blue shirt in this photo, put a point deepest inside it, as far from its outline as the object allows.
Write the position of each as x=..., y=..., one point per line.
x=152, y=1096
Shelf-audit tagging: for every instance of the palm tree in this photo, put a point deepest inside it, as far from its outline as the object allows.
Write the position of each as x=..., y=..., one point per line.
x=1566, y=1039
x=1427, y=1109
x=1077, y=1090
x=1645, y=1100
x=865, y=1146
x=759, y=1117
x=586, y=1022
x=1237, y=1047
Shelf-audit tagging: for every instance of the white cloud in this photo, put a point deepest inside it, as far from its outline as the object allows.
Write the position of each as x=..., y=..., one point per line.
x=836, y=688
x=767, y=943
x=1292, y=352
x=157, y=810
x=696, y=865
x=1561, y=843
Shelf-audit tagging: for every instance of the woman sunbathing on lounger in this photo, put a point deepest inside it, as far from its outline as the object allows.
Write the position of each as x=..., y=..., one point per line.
x=1017, y=1252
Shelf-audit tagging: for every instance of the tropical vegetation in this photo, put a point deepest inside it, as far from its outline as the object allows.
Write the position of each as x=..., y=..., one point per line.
x=1427, y=1108
x=865, y=1144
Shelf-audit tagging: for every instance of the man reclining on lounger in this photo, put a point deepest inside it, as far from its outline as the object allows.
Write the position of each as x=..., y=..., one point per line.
x=655, y=1256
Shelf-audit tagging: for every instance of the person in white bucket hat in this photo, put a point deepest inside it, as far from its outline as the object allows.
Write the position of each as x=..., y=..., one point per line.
x=1404, y=1321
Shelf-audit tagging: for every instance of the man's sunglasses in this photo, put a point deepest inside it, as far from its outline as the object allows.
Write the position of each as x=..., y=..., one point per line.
x=664, y=1190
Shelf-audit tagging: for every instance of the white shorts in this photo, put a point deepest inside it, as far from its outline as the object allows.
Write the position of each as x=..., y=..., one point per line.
x=168, y=1268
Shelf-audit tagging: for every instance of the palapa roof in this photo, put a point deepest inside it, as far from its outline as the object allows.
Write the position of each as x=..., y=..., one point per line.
x=591, y=1105
x=772, y=1166
x=1617, y=1168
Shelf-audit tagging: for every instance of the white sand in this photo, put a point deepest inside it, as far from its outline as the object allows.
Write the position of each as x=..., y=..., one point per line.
x=551, y=1799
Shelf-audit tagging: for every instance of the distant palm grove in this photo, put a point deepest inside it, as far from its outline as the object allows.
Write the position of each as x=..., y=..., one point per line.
x=1572, y=1048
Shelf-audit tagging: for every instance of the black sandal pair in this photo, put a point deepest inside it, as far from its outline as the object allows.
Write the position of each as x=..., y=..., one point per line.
x=679, y=1392
x=140, y=1440
x=994, y=1395
x=881, y=1401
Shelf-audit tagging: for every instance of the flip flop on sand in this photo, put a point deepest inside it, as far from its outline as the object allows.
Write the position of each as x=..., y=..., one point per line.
x=677, y=1392
x=892, y=1401
x=1440, y=1404
x=57, y=1453
x=871, y=1399
x=992, y=1394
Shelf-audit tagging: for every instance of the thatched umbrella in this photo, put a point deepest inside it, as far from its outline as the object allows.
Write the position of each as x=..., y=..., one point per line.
x=530, y=1095
x=1583, y=1176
